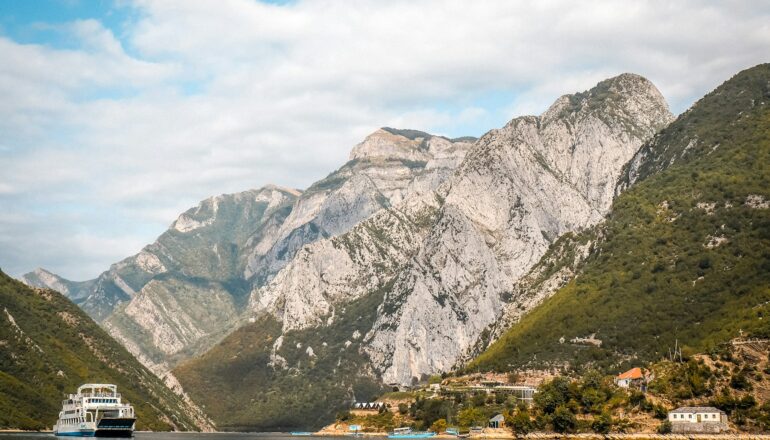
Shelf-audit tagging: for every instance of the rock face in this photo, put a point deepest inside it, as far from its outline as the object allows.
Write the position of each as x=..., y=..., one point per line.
x=521, y=187
x=332, y=272
x=388, y=167
x=399, y=170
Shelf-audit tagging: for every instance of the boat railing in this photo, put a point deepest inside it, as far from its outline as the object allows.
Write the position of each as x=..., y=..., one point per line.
x=112, y=395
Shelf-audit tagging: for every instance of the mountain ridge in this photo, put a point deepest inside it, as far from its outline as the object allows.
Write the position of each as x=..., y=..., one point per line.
x=228, y=245
x=682, y=254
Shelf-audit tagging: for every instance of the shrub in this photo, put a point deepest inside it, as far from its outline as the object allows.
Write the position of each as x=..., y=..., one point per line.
x=739, y=381
x=602, y=424
x=479, y=399
x=343, y=416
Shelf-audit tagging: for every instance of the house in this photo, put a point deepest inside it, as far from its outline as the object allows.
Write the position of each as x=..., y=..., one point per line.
x=498, y=421
x=633, y=376
x=697, y=419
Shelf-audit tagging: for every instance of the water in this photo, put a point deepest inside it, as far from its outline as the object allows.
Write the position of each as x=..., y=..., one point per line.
x=174, y=436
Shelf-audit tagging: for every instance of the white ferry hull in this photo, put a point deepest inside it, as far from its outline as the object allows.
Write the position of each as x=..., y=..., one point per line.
x=81, y=430
x=117, y=427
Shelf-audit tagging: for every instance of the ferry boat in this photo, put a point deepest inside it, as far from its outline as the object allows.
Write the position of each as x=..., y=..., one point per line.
x=408, y=433
x=96, y=410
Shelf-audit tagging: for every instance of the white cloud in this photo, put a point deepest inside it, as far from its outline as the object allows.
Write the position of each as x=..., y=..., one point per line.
x=193, y=98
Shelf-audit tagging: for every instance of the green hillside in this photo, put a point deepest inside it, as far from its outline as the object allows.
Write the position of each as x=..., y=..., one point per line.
x=685, y=252
x=303, y=387
x=49, y=347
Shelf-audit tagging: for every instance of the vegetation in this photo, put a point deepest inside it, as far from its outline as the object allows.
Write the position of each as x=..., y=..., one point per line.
x=684, y=254
x=564, y=405
x=251, y=382
x=49, y=347
x=732, y=378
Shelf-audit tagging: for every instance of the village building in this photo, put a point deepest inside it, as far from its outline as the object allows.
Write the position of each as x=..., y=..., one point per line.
x=498, y=421
x=697, y=420
x=364, y=408
x=632, y=377
x=523, y=393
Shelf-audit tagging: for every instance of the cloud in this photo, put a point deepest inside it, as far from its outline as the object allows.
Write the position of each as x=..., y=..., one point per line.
x=187, y=98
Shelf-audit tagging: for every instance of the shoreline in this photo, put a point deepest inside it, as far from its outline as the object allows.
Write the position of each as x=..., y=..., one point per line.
x=580, y=436
x=503, y=435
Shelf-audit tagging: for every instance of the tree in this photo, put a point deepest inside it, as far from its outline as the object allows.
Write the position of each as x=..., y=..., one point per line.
x=520, y=421
x=592, y=380
x=403, y=408
x=438, y=426
x=665, y=427
x=592, y=400
x=552, y=394
x=470, y=417
x=563, y=420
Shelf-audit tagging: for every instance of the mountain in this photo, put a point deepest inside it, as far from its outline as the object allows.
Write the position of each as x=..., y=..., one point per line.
x=185, y=292
x=408, y=291
x=684, y=256
x=76, y=291
x=521, y=188
x=389, y=166
x=49, y=347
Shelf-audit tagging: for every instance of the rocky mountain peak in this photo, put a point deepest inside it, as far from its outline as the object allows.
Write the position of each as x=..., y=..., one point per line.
x=623, y=99
x=391, y=144
x=43, y=278
x=76, y=291
x=206, y=212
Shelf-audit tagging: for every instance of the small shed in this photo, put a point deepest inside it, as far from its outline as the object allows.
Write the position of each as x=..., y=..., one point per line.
x=498, y=421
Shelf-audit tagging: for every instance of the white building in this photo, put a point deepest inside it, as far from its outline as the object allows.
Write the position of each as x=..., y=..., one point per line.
x=697, y=419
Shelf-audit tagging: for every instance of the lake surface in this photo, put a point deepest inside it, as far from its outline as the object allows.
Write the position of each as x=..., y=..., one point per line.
x=175, y=436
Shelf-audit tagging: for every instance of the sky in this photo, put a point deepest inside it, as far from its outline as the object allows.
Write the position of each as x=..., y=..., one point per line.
x=116, y=116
